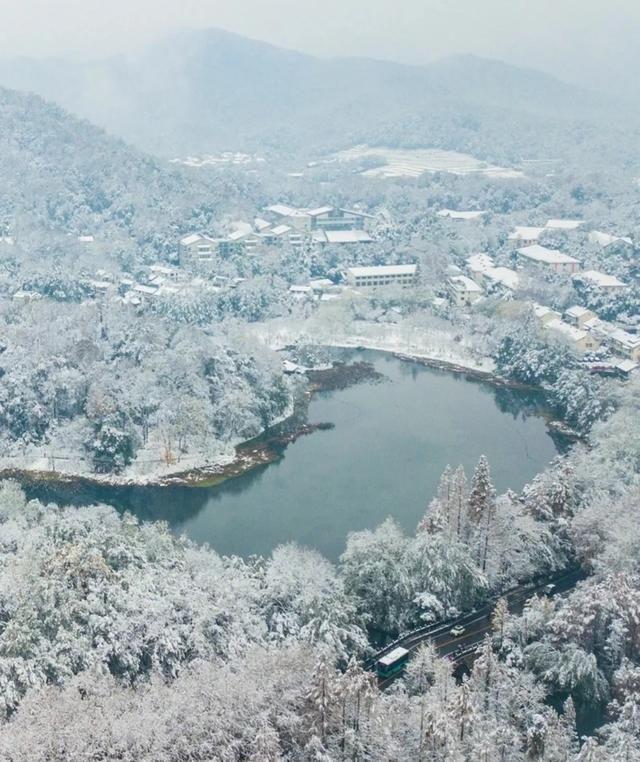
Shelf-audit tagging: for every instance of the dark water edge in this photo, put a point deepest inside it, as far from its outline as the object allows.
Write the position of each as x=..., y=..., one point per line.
x=384, y=456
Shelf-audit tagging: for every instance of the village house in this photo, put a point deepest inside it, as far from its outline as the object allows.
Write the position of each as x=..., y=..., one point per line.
x=382, y=275
x=576, y=339
x=197, y=248
x=100, y=287
x=463, y=291
x=545, y=314
x=477, y=264
x=301, y=292
x=484, y=272
x=163, y=271
x=601, y=280
x=625, y=344
x=550, y=258
x=577, y=316
x=564, y=224
x=504, y=277
x=525, y=236
x=452, y=214
x=598, y=238
x=601, y=329
x=281, y=234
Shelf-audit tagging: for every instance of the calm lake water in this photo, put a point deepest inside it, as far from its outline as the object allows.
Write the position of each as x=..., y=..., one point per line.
x=384, y=457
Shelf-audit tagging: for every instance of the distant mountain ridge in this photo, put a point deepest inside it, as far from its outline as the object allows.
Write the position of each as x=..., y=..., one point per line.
x=209, y=90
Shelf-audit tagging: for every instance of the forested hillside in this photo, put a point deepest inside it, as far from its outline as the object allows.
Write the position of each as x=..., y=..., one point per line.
x=210, y=90
x=61, y=174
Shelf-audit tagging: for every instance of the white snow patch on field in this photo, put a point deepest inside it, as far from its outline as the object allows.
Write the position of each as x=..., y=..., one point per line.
x=415, y=162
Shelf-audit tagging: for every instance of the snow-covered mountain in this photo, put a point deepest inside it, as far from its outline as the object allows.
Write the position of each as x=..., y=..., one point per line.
x=210, y=90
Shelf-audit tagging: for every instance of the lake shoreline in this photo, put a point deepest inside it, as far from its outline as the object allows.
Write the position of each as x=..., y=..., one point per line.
x=269, y=446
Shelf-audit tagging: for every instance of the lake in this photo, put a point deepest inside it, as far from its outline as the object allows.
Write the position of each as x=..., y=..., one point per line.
x=389, y=445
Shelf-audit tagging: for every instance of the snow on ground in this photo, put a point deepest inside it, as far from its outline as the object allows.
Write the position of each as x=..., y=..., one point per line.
x=64, y=456
x=415, y=162
x=402, y=338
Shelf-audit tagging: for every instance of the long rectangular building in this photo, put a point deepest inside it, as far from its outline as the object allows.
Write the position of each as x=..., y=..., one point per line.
x=382, y=275
x=551, y=258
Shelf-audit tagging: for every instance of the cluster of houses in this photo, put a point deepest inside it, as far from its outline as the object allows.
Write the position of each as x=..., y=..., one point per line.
x=483, y=275
x=585, y=333
x=159, y=280
x=526, y=242
x=281, y=225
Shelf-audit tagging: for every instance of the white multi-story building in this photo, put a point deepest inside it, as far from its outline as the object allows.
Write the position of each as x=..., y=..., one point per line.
x=601, y=280
x=550, y=258
x=382, y=275
x=464, y=291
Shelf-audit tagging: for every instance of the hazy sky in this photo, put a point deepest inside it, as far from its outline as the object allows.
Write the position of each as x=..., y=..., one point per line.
x=576, y=39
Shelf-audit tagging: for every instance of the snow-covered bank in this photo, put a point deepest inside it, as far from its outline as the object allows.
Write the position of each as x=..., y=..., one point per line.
x=212, y=460
x=215, y=461
x=433, y=345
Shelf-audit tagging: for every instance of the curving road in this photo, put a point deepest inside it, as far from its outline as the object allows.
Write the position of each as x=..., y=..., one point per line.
x=477, y=623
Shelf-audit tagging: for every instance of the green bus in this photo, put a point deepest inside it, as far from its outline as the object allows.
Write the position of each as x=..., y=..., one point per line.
x=392, y=663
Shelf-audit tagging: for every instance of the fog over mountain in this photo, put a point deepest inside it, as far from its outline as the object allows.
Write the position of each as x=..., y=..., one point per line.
x=210, y=90
x=592, y=43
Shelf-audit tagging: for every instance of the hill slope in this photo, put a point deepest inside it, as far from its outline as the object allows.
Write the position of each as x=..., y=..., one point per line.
x=204, y=91
x=61, y=173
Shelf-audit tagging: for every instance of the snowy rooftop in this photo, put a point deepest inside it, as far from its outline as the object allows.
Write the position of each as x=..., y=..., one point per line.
x=566, y=330
x=602, y=280
x=319, y=211
x=541, y=310
x=358, y=214
x=393, y=656
x=600, y=327
x=462, y=283
x=261, y=224
x=564, y=224
x=369, y=272
x=194, y=238
x=524, y=233
x=503, y=275
x=145, y=289
x=577, y=311
x=547, y=256
x=626, y=339
x=347, y=236
x=606, y=239
x=238, y=235
x=479, y=262
x=282, y=210
x=321, y=283
x=460, y=215
x=281, y=229
x=626, y=366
